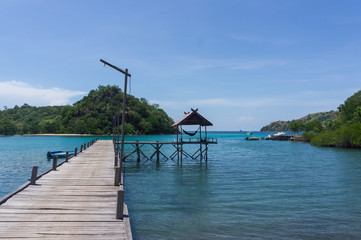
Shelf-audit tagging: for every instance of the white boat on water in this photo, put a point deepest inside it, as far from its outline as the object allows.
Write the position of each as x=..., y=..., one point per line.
x=279, y=134
x=275, y=135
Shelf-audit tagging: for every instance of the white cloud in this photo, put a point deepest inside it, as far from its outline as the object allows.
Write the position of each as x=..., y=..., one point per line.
x=17, y=93
x=245, y=118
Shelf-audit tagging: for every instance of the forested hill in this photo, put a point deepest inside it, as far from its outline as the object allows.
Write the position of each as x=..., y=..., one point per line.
x=91, y=115
x=321, y=118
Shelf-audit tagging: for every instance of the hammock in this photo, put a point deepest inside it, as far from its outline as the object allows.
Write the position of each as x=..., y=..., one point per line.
x=190, y=134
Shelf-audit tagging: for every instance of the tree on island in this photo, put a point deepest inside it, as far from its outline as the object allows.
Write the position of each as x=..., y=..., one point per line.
x=296, y=126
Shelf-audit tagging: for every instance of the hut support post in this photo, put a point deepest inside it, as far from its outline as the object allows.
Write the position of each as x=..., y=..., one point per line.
x=177, y=149
x=138, y=150
x=200, y=142
x=157, y=149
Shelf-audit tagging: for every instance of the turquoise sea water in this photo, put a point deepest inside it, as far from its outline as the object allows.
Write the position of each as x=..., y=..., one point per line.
x=246, y=190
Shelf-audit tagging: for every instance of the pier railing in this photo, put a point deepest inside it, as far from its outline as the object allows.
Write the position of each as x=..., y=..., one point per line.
x=195, y=140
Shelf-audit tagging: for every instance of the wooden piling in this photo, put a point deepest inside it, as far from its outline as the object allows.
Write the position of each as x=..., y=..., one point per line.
x=34, y=174
x=117, y=176
x=120, y=203
x=55, y=162
x=76, y=152
x=116, y=159
x=81, y=148
x=67, y=156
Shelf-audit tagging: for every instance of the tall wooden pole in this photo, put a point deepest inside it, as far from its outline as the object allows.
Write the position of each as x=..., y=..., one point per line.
x=124, y=104
x=123, y=117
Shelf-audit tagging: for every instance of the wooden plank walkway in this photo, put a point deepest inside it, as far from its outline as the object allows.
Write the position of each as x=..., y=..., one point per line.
x=77, y=201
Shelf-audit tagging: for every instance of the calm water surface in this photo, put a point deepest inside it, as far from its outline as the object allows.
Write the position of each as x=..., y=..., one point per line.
x=246, y=190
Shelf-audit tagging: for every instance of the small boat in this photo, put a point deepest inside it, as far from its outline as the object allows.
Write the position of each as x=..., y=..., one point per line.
x=279, y=134
x=252, y=138
x=59, y=153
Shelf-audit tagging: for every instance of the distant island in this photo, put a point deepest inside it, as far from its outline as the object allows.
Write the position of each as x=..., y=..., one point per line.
x=93, y=114
x=341, y=128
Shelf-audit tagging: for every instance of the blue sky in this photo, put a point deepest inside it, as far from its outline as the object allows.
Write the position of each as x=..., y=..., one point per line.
x=244, y=63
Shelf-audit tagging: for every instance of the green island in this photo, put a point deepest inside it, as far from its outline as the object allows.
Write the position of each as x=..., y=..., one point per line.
x=341, y=128
x=93, y=114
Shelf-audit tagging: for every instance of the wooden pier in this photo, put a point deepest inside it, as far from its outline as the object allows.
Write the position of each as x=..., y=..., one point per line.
x=178, y=152
x=79, y=200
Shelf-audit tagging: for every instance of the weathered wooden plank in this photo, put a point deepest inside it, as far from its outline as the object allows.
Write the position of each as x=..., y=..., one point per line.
x=42, y=210
x=45, y=217
x=61, y=225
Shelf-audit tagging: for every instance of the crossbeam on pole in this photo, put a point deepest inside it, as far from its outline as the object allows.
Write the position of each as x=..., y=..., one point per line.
x=116, y=68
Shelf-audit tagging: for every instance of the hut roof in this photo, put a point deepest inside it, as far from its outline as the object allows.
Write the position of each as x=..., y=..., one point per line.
x=193, y=118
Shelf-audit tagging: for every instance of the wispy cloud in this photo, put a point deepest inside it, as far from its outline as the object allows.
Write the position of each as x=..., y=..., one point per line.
x=324, y=99
x=234, y=64
x=262, y=39
x=17, y=93
x=245, y=118
x=235, y=102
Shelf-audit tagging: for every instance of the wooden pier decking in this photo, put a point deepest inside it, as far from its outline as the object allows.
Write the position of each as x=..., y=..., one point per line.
x=77, y=201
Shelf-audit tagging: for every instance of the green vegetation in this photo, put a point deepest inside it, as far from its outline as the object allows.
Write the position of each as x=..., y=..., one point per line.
x=312, y=122
x=91, y=115
x=345, y=131
x=307, y=136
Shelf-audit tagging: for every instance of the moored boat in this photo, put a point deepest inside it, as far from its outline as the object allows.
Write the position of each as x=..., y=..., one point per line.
x=252, y=138
x=59, y=153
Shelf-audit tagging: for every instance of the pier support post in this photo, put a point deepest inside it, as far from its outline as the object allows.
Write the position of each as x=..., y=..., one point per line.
x=117, y=177
x=116, y=159
x=87, y=145
x=76, y=152
x=81, y=148
x=34, y=174
x=84, y=146
x=120, y=204
x=66, y=156
x=55, y=162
